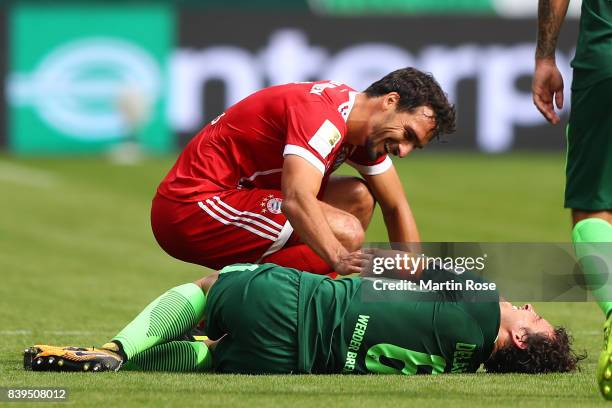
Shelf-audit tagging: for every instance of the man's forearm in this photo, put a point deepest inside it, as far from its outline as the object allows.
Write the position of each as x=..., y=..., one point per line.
x=551, y=14
x=389, y=193
x=309, y=222
x=401, y=225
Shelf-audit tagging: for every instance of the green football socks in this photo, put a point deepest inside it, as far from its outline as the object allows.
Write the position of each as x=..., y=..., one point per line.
x=595, y=258
x=163, y=320
x=175, y=356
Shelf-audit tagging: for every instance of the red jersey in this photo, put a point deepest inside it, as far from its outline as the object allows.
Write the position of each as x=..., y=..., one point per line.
x=245, y=146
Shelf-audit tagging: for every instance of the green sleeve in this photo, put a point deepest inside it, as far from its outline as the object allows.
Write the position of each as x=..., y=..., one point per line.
x=460, y=337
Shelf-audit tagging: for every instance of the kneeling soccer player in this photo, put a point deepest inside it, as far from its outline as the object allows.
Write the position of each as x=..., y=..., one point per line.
x=270, y=319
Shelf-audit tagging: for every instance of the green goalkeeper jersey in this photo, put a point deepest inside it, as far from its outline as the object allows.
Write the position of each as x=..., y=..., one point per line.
x=451, y=329
x=593, y=60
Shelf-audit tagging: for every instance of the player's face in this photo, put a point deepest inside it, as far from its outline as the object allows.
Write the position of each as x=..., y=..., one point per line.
x=525, y=317
x=398, y=133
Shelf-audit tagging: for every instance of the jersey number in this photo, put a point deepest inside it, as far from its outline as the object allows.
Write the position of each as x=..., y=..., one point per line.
x=386, y=358
x=239, y=267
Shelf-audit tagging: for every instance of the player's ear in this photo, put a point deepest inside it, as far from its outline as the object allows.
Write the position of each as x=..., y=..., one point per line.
x=391, y=100
x=518, y=338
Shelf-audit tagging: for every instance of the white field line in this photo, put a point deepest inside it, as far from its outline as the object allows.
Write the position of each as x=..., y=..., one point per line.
x=50, y=332
x=23, y=175
x=591, y=333
x=15, y=332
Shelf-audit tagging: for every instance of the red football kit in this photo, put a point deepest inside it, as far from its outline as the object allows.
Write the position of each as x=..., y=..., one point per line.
x=221, y=201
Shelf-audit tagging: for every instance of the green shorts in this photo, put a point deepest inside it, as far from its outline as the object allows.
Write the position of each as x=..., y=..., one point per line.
x=257, y=306
x=589, y=149
x=276, y=320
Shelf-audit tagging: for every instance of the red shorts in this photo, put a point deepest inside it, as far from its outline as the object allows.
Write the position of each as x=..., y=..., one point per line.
x=224, y=228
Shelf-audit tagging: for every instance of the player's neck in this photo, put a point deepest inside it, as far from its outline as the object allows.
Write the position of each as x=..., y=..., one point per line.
x=358, y=120
x=501, y=339
x=503, y=333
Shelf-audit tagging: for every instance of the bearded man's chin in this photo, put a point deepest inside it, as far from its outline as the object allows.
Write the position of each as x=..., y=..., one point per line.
x=370, y=149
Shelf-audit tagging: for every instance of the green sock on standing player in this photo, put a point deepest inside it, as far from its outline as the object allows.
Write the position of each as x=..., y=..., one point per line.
x=595, y=257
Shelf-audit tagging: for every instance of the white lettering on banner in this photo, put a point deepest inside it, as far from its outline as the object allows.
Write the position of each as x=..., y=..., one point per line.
x=69, y=94
x=289, y=58
x=450, y=65
x=500, y=105
x=189, y=72
x=360, y=65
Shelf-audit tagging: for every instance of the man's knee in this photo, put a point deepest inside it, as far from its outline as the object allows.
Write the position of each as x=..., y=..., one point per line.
x=353, y=232
x=352, y=195
x=579, y=215
x=364, y=199
x=361, y=202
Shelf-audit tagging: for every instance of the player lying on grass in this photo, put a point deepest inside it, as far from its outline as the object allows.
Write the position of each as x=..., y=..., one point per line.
x=271, y=319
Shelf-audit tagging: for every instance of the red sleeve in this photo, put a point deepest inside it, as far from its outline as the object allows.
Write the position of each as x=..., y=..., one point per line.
x=360, y=161
x=313, y=133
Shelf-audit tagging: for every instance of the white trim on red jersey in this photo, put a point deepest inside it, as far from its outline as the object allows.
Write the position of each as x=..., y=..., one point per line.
x=346, y=107
x=257, y=174
x=305, y=154
x=372, y=170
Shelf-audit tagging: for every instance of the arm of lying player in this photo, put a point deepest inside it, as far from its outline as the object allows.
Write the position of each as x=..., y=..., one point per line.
x=300, y=184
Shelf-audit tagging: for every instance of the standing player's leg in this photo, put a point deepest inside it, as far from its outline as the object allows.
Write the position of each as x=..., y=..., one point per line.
x=589, y=194
x=588, y=189
x=592, y=237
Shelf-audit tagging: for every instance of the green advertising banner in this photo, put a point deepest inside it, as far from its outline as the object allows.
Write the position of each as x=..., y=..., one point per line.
x=357, y=7
x=502, y=8
x=84, y=78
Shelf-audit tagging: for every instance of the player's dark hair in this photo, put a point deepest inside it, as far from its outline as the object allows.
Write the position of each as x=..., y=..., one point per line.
x=543, y=354
x=416, y=89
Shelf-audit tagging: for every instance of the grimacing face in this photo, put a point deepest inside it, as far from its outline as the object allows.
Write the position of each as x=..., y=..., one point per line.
x=398, y=133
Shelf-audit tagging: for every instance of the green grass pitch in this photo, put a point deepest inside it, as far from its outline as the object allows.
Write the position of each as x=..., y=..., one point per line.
x=78, y=260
